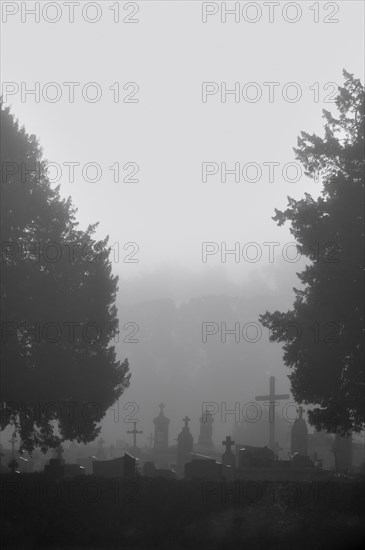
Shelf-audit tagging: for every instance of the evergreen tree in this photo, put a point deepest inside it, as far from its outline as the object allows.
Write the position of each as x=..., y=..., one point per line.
x=323, y=335
x=58, y=306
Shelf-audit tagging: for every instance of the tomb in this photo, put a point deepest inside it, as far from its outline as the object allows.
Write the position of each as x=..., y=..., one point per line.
x=124, y=466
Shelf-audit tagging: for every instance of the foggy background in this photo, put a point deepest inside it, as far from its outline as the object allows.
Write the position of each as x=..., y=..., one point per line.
x=169, y=133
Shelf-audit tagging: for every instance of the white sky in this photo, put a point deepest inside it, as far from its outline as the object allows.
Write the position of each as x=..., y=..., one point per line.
x=170, y=132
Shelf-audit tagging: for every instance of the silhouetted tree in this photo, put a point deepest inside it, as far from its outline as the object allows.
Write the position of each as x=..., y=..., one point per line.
x=58, y=311
x=323, y=334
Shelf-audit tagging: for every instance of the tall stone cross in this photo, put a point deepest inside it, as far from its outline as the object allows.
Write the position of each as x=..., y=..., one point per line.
x=134, y=432
x=228, y=443
x=271, y=399
x=186, y=421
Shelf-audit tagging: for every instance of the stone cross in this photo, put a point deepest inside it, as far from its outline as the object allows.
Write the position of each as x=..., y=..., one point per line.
x=134, y=432
x=228, y=443
x=271, y=399
x=186, y=421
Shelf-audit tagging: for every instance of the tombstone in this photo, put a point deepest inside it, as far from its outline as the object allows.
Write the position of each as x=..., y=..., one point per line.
x=124, y=466
x=185, y=444
x=86, y=462
x=206, y=430
x=161, y=422
x=101, y=452
x=228, y=458
x=149, y=469
x=255, y=457
x=343, y=452
x=299, y=435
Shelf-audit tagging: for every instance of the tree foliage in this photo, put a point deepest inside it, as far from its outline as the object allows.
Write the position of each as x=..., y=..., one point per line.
x=58, y=311
x=323, y=334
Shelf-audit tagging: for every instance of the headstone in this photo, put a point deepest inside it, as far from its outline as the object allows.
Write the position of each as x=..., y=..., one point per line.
x=255, y=457
x=161, y=422
x=86, y=462
x=206, y=430
x=228, y=458
x=299, y=435
x=124, y=466
x=101, y=453
x=149, y=469
x=185, y=443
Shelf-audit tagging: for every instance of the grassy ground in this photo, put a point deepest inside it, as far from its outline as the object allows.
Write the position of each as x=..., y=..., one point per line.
x=95, y=513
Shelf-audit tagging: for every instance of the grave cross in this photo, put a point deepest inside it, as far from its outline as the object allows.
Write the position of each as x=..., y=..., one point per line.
x=271, y=399
x=186, y=421
x=134, y=432
x=228, y=443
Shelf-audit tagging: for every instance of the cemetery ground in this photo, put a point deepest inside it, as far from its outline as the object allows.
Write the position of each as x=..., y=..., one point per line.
x=98, y=513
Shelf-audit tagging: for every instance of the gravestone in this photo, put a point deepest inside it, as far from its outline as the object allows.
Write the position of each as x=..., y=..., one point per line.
x=124, y=466
x=185, y=444
x=299, y=435
x=206, y=431
x=228, y=458
x=161, y=422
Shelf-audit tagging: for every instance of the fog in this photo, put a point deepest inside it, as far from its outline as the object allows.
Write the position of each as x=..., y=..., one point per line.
x=159, y=218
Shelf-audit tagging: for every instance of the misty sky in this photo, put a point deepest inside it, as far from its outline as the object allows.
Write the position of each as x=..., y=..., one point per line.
x=169, y=133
